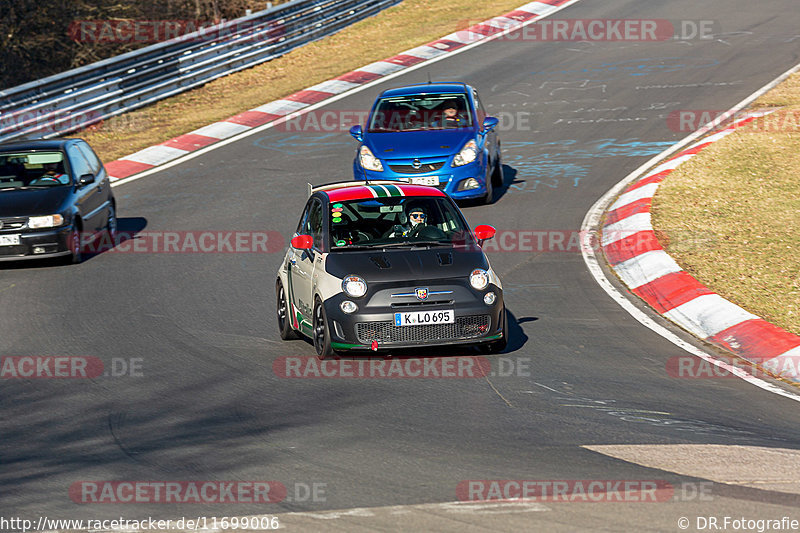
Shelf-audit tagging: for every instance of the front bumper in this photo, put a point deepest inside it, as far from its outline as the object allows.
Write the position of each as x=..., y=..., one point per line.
x=54, y=243
x=449, y=178
x=475, y=322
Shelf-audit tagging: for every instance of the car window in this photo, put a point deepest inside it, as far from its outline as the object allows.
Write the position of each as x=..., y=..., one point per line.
x=421, y=112
x=91, y=158
x=481, y=111
x=313, y=223
x=387, y=221
x=78, y=162
x=32, y=169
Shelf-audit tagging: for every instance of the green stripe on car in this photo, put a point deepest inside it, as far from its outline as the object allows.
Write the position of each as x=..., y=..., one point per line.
x=380, y=191
x=394, y=190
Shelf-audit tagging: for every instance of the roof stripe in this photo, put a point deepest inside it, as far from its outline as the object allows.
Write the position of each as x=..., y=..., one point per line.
x=379, y=190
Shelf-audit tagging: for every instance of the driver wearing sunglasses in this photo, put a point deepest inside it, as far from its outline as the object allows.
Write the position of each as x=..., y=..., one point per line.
x=417, y=219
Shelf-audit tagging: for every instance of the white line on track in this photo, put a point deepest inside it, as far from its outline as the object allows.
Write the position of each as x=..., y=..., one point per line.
x=591, y=224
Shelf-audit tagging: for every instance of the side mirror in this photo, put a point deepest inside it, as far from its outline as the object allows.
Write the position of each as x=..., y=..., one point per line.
x=489, y=123
x=484, y=233
x=357, y=133
x=302, y=242
x=86, y=179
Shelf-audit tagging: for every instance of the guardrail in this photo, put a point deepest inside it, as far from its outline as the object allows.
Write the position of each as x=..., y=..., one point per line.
x=81, y=97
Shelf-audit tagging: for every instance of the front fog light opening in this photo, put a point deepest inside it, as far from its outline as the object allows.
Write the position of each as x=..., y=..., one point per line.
x=489, y=298
x=468, y=184
x=348, y=307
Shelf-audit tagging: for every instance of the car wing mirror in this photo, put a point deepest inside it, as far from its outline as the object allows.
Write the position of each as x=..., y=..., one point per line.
x=302, y=242
x=489, y=123
x=86, y=179
x=357, y=133
x=484, y=233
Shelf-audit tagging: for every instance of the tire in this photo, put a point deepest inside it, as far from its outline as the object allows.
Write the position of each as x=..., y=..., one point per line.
x=74, y=244
x=500, y=344
x=497, y=173
x=320, y=333
x=111, y=225
x=487, y=199
x=282, y=311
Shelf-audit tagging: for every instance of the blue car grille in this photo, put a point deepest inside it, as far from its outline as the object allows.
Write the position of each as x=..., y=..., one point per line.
x=409, y=169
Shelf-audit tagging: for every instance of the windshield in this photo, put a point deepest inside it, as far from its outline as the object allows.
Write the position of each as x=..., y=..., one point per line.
x=397, y=221
x=27, y=170
x=421, y=112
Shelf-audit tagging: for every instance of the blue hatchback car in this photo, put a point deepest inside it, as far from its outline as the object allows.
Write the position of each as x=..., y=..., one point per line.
x=435, y=134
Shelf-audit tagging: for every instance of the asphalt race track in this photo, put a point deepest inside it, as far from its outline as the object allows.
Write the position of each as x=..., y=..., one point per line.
x=205, y=404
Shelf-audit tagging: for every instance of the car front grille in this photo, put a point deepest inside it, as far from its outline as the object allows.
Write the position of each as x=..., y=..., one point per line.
x=423, y=303
x=409, y=169
x=465, y=327
x=11, y=223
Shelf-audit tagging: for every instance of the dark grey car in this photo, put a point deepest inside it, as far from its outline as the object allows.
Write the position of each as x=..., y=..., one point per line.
x=55, y=198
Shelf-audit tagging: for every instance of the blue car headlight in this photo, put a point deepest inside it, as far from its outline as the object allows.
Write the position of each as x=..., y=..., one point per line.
x=369, y=161
x=467, y=155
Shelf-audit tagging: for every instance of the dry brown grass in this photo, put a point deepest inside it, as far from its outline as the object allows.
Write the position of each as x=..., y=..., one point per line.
x=745, y=190
x=409, y=24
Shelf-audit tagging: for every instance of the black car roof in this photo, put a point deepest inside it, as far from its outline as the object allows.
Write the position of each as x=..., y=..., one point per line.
x=37, y=144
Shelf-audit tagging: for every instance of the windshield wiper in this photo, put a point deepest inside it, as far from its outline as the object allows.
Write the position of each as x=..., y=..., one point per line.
x=406, y=243
x=352, y=247
x=431, y=243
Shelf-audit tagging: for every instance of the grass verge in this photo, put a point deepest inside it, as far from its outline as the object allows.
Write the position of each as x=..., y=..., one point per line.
x=409, y=24
x=744, y=191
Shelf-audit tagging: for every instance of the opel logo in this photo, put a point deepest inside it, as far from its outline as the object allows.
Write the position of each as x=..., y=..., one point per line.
x=416, y=163
x=1, y=224
x=421, y=294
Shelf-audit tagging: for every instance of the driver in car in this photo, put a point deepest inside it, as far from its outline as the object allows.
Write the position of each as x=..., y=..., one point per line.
x=417, y=220
x=451, y=116
x=52, y=174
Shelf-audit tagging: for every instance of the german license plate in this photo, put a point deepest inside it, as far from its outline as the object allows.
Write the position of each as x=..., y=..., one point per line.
x=9, y=240
x=426, y=180
x=419, y=318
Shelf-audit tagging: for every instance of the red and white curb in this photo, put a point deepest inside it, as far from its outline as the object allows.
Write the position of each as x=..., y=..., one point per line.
x=282, y=109
x=632, y=250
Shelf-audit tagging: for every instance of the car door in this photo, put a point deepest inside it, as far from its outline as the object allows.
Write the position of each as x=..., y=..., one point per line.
x=103, y=184
x=87, y=200
x=490, y=139
x=302, y=262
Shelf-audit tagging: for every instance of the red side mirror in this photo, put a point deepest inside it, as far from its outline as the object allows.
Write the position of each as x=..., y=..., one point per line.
x=302, y=242
x=484, y=232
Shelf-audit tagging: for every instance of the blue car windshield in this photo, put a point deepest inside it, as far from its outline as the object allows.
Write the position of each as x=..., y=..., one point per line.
x=29, y=170
x=397, y=221
x=421, y=112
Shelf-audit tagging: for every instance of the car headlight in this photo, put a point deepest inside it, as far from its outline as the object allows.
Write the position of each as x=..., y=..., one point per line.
x=468, y=154
x=369, y=161
x=479, y=279
x=354, y=286
x=49, y=221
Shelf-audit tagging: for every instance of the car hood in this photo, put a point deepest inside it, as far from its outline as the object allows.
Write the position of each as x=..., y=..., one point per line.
x=407, y=264
x=418, y=144
x=32, y=202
